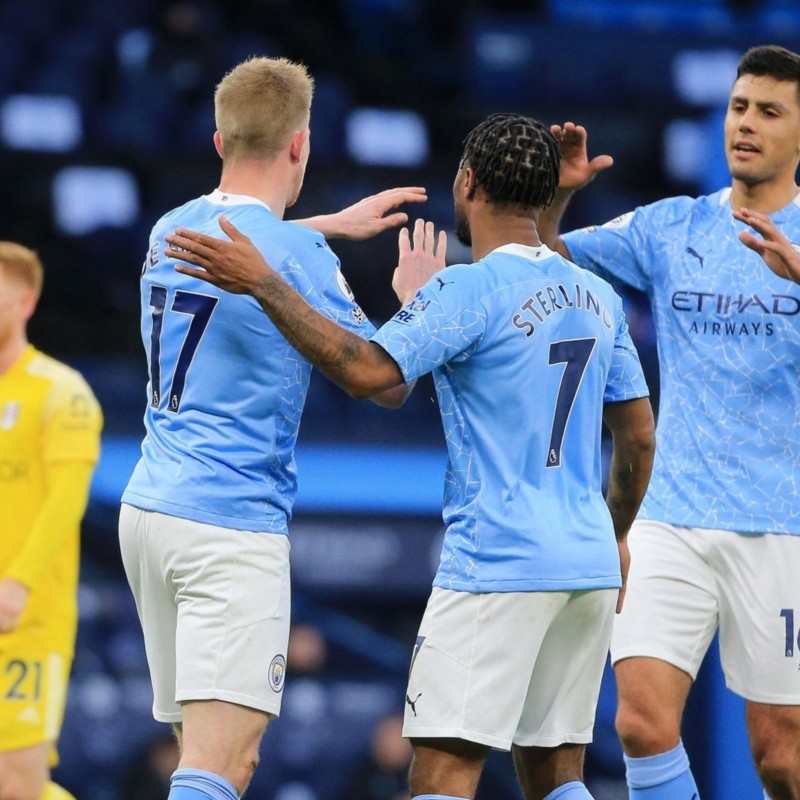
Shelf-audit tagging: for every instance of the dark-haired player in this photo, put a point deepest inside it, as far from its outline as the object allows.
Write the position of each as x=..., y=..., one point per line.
x=717, y=542
x=529, y=354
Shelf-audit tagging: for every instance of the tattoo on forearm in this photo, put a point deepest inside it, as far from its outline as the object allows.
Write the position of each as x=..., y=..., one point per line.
x=328, y=346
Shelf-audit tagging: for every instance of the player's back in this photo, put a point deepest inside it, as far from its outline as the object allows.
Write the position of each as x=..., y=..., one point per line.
x=536, y=346
x=226, y=390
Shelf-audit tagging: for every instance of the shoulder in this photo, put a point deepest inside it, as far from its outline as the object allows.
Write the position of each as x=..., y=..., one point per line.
x=459, y=284
x=681, y=207
x=64, y=386
x=307, y=242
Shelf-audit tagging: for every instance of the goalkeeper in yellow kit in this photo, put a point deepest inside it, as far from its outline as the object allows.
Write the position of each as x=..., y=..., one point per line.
x=49, y=443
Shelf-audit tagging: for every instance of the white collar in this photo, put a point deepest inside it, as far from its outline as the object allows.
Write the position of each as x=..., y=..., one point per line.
x=227, y=199
x=538, y=253
x=725, y=194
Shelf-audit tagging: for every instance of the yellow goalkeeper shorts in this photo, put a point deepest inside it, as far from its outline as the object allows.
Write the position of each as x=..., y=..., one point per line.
x=33, y=691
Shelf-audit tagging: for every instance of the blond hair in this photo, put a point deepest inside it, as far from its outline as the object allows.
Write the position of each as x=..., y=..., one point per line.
x=23, y=265
x=259, y=104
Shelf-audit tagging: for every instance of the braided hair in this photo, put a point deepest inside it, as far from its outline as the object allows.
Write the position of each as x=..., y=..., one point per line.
x=515, y=159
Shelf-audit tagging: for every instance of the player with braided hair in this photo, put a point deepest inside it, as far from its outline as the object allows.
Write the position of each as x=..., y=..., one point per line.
x=515, y=160
x=529, y=355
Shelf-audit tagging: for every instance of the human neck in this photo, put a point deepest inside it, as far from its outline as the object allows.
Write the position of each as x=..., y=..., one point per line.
x=766, y=198
x=10, y=351
x=262, y=180
x=491, y=230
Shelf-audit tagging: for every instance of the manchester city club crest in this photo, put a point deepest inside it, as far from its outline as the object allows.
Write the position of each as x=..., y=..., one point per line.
x=277, y=673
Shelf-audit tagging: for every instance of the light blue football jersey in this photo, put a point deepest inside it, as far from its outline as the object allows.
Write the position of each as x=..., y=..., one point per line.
x=525, y=348
x=226, y=390
x=728, y=333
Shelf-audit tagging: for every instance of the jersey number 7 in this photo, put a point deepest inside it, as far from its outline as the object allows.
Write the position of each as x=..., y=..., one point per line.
x=575, y=353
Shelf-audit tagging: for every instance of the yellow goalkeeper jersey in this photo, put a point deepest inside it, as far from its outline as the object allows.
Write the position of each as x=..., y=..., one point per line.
x=50, y=426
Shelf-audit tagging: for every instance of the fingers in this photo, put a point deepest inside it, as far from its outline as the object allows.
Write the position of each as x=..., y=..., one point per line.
x=202, y=274
x=419, y=235
x=424, y=240
x=415, y=193
x=230, y=230
x=747, y=239
x=392, y=221
x=441, y=250
x=403, y=242
x=761, y=223
x=599, y=163
x=569, y=133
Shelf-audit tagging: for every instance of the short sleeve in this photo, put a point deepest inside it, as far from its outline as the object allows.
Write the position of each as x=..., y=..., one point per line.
x=434, y=328
x=617, y=249
x=316, y=276
x=625, y=377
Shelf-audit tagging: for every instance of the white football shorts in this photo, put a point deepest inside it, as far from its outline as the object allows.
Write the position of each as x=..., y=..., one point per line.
x=214, y=606
x=685, y=582
x=507, y=668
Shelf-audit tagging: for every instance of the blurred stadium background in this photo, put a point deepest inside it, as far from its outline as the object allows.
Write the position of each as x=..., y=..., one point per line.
x=112, y=99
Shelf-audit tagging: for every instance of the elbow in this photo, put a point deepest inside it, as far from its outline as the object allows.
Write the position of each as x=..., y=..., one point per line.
x=360, y=390
x=391, y=398
x=642, y=446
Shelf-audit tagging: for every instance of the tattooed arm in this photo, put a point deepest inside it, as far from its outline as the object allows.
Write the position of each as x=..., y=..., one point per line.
x=363, y=369
x=632, y=430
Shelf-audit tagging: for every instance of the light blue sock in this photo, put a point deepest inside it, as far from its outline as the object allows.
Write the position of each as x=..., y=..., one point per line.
x=663, y=777
x=574, y=790
x=436, y=797
x=196, y=784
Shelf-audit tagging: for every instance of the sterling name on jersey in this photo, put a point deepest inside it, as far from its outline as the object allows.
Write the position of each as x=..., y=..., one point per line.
x=525, y=348
x=226, y=390
x=728, y=329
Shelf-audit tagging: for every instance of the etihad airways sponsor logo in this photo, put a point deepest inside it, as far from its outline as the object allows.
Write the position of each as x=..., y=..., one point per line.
x=727, y=305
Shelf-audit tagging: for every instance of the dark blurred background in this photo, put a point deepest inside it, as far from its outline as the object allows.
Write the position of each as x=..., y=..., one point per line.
x=106, y=119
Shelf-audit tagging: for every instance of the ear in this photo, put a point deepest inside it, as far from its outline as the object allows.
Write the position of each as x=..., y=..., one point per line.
x=297, y=144
x=218, y=144
x=29, y=301
x=470, y=184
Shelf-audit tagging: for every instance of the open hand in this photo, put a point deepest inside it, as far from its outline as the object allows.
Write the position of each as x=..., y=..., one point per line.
x=371, y=216
x=418, y=261
x=236, y=265
x=776, y=250
x=576, y=169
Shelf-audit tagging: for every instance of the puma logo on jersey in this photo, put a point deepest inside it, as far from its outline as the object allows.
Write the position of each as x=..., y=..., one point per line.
x=442, y=283
x=692, y=252
x=413, y=703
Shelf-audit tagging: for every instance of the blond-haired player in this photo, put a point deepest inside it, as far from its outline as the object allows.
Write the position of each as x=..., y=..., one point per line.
x=203, y=526
x=49, y=443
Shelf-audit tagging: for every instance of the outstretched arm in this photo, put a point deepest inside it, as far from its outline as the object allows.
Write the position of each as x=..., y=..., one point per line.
x=361, y=368
x=575, y=172
x=777, y=251
x=633, y=436
x=367, y=217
